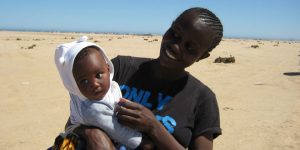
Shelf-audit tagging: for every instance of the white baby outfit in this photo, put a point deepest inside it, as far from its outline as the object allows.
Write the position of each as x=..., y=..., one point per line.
x=99, y=113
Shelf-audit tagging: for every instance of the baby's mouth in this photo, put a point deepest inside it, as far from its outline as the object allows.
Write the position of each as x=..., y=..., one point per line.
x=97, y=90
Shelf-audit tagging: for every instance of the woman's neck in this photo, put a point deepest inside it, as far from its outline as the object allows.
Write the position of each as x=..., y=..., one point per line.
x=163, y=73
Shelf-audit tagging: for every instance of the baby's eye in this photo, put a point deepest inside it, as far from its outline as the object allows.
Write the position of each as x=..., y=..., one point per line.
x=84, y=82
x=99, y=75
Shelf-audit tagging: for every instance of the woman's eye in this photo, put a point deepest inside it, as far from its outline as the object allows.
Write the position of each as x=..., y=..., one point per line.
x=190, y=49
x=175, y=35
x=99, y=75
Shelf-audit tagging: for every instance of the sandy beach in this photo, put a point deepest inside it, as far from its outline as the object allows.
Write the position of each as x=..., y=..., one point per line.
x=258, y=95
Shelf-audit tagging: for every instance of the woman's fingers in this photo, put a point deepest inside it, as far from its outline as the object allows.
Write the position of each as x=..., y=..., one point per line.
x=128, y=108
x=123, y=111
x=129, y=104
x=135, y=115
x=128, y=121
x=128, y=117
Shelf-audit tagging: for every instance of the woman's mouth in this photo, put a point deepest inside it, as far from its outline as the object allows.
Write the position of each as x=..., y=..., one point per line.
x=170, y=54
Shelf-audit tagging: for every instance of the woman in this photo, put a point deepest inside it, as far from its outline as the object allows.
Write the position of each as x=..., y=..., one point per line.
x=172, y=109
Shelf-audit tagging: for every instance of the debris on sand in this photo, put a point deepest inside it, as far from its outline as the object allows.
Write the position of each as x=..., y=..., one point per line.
x=31, y=47
x=230, y=59
x=254, y=46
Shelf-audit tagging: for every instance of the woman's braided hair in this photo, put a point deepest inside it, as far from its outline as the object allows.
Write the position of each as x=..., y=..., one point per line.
x=210, y=19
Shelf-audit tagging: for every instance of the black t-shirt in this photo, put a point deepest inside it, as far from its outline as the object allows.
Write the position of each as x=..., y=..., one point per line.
x=186, y=107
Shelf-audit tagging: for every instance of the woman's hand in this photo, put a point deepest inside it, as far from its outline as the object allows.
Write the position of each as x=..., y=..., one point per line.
x=142, y=119
x=136, y=116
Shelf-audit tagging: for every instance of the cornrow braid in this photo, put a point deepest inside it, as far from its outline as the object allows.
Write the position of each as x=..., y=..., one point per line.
x=210, y=19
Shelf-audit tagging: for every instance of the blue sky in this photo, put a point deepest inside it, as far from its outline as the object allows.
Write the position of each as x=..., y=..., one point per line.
x=274, y=19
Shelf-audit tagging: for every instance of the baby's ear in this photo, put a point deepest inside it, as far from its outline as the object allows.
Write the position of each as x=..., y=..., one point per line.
x=205, y=55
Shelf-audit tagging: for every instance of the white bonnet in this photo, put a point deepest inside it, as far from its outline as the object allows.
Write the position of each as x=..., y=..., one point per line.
x=64, y=59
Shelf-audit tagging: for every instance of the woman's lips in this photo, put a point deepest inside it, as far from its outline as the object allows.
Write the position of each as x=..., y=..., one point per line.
x=170, y=54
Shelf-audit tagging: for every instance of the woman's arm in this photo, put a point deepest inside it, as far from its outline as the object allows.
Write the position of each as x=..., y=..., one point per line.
x=140, y=118
x=95, y=138
x=145, y=121
x=102, y=115
x=201, y=143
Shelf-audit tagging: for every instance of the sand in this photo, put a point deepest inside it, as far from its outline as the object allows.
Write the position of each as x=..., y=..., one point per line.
x=258, y=95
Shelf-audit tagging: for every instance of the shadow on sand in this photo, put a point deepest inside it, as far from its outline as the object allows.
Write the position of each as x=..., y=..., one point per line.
x=292, y=73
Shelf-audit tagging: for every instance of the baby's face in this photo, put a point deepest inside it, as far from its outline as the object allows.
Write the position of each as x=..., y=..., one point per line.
x=91, y=74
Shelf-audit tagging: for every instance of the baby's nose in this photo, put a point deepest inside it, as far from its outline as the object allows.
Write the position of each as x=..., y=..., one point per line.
x=95, y=83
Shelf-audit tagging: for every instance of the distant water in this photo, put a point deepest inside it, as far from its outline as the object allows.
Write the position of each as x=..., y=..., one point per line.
x=72, y=31
x=139, y=34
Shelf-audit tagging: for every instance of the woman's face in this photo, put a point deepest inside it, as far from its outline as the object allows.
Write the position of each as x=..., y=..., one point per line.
x=91, y=74
x=185, y=42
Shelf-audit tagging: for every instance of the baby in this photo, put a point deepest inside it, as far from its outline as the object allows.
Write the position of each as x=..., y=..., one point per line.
x=87, y=74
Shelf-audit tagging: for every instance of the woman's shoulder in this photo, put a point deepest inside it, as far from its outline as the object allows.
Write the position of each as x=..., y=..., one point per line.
x=198, y=86
x=126, y=66
x=130, y=59
x=123, y=62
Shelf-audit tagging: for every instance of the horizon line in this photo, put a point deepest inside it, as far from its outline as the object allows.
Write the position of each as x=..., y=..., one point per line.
x=139, y=34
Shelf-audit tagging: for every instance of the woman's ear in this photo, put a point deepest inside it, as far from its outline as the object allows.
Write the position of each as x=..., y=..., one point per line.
x=205, y=55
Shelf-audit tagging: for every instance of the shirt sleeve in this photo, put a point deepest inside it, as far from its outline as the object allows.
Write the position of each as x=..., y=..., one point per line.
x=116, y=63
x=207, y=122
